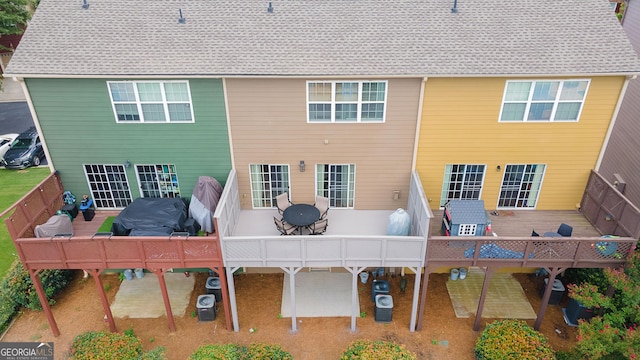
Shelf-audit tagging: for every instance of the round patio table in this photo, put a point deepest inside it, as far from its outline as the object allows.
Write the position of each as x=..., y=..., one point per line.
x=301, y=214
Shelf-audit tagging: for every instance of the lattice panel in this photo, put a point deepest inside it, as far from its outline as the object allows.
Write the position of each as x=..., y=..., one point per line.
x=201, y=250
x=161, y=250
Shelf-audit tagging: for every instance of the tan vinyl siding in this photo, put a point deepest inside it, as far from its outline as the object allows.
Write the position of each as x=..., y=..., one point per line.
x=621, y=154
x=460, y=126
x=269, y=126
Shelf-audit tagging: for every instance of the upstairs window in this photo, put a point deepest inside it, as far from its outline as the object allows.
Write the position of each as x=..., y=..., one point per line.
x=547, y=100
x=151, y=101
x=346, y=102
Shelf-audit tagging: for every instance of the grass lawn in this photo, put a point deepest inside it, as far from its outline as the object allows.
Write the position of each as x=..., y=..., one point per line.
x=14, y=184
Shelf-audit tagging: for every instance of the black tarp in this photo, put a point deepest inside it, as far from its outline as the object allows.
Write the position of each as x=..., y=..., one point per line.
x=151, y=217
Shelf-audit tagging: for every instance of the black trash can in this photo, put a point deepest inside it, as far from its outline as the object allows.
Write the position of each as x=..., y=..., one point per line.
x=70, y=209
x=213, y=287
x=556, y=291
x=383, y=308
x=379, y=287
x=88, y=214
x=206, y=306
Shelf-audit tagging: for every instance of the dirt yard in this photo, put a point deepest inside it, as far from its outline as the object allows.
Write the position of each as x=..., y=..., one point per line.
x=259, y=295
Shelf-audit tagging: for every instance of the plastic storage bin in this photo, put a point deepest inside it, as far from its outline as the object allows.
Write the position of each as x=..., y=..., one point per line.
x=213, y=287
x=556, y=291
x=383, y=308
x=206, y=306
x=379, y=287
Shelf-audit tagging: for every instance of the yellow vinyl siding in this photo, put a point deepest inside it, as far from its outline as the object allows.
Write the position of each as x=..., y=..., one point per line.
x=268, y=121
x=460, y=125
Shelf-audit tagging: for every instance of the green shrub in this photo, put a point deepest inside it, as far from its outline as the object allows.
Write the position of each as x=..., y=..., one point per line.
x=155, y=354
x=266, y=352
x=591, y=276
x=512, y=339
x=17, y=285
x=376, y=350
x=17, y=290
x=216, y=352
x=106, y=346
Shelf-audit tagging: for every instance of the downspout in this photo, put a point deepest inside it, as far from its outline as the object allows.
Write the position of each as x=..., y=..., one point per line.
x=418, y=124
x=226, y=110
x=612, y=123
x=36, y=122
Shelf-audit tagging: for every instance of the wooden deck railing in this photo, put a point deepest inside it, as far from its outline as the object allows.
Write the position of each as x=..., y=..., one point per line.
x=591, y=252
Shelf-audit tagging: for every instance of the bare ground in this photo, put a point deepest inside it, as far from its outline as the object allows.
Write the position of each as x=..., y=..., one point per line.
x=258, y=298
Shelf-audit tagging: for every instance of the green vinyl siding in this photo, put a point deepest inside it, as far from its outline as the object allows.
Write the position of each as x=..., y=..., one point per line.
x=79, y=128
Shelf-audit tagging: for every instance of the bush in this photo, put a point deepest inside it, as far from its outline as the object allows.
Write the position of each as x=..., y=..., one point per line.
x=106, y=346
x=265, y=351
x=17, y=285
x=216, y=352
x=16, y=290
x=255, y=351
x=512, y=339
x=376, y=350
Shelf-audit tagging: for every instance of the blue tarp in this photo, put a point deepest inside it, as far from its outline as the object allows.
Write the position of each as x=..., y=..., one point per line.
x=493, y=251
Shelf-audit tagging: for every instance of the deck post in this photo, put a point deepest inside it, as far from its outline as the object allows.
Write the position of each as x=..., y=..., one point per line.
x=44, y=302
x=232, y=297
x=423, y=296
x=225, y=293
x=354, y=293
x=165, y=296
x=95, y=273
x=483, y=295
x=416, y=291
x=553, y=272
x=292, y=292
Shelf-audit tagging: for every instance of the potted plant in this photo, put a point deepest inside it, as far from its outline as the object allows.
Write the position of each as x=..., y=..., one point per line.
x=584, y=299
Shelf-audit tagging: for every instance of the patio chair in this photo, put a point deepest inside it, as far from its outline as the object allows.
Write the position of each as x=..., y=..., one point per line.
x=318, y=227
x=282, y=202
x=565, y=230
x=322, y=204
x=283, y=227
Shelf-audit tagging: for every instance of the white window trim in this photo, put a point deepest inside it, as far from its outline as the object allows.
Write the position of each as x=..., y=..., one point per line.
x=359, y=102
x=251, y=183
x=159, y=181
x=484, y=174
x=354, y=182
x=139, y=103
x=96, y=201
x=529, y=101
x=537, y=199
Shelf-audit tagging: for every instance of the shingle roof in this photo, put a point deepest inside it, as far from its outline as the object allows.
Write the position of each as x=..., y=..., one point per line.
x=324, y=38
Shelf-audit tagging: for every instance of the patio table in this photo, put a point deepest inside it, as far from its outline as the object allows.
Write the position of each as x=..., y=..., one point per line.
x=301, y=215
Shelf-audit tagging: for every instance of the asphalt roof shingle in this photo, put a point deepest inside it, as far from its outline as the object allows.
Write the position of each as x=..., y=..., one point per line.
x=323, y=38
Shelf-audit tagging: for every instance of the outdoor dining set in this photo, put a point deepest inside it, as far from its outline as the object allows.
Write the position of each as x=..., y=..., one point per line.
x=301, y=218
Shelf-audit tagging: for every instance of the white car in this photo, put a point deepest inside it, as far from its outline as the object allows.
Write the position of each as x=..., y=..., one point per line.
x=5, y=143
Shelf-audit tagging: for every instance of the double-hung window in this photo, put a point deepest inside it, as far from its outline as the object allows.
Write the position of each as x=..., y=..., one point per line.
x=346, y=101
x=151, y=101
x=267, y=182
x=543, y=100
x=336, y=182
